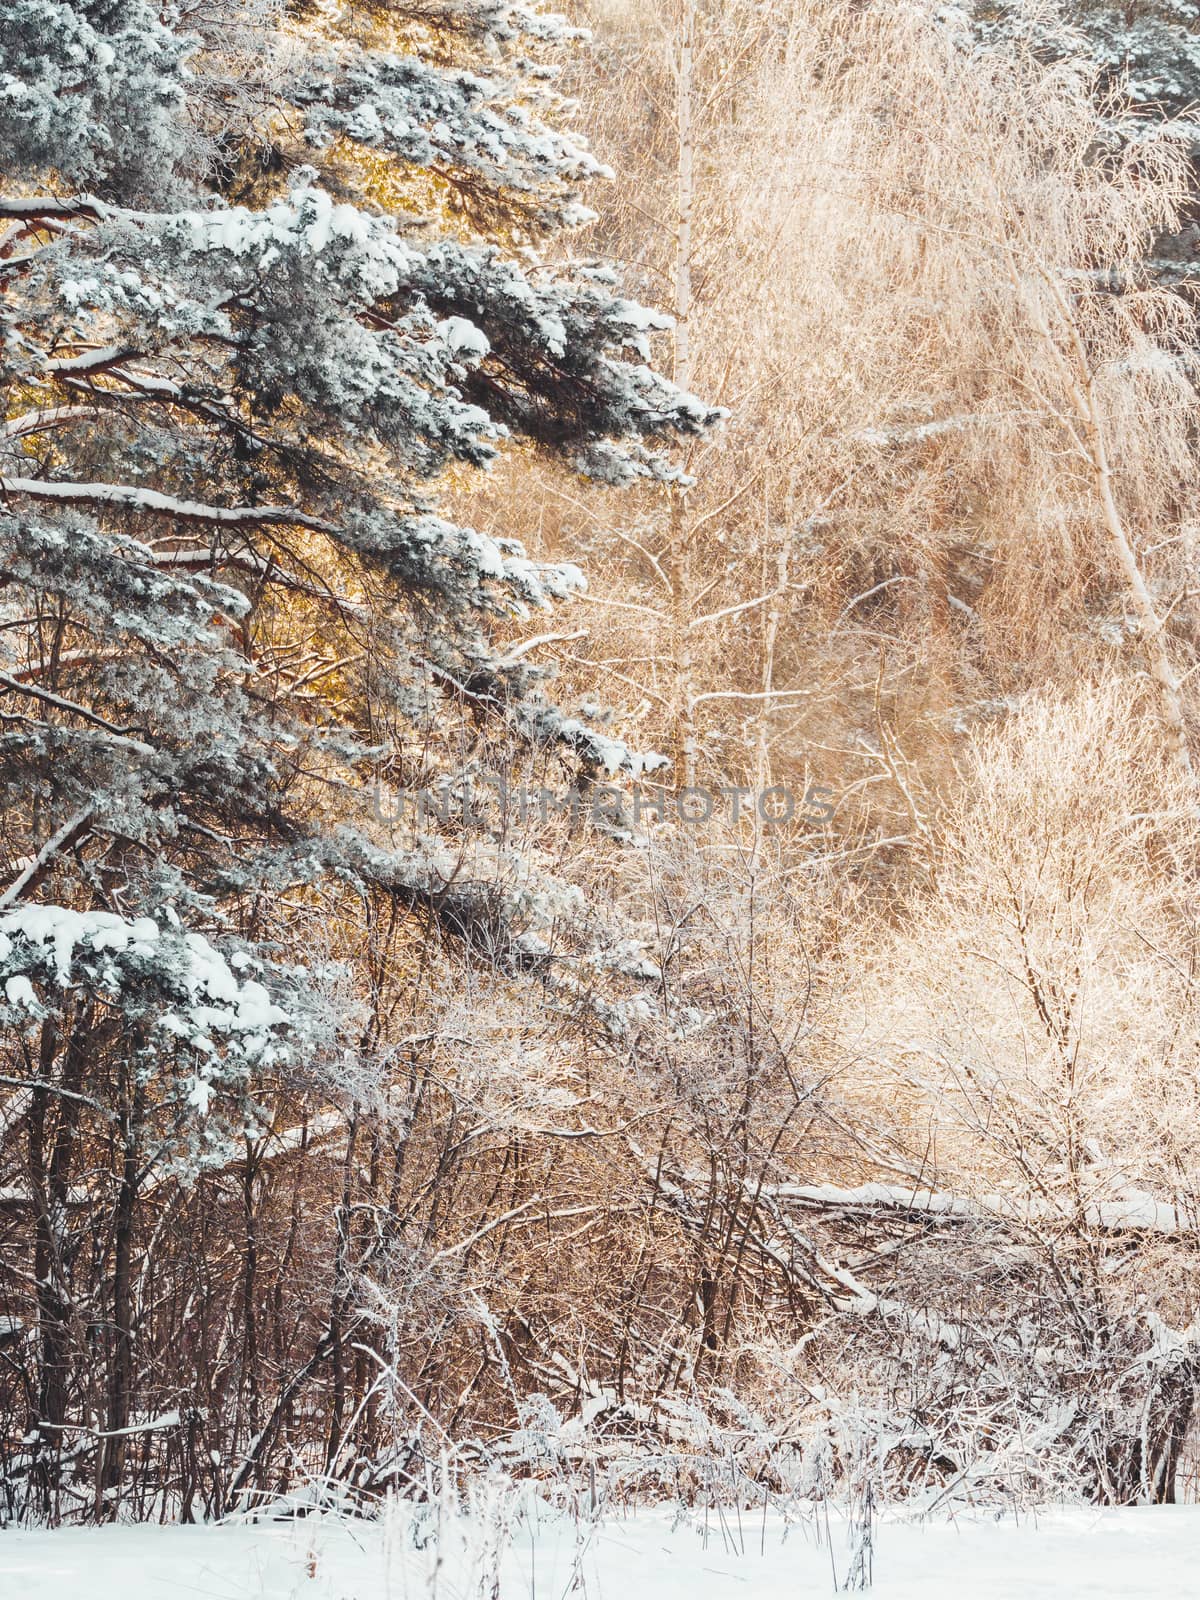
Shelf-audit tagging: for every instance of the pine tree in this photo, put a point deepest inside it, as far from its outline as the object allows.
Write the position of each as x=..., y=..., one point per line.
x=1150, y=49
x=268, y=283
x=225, y=423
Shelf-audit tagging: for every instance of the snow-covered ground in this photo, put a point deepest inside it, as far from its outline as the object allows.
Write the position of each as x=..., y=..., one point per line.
x=1065, y=1554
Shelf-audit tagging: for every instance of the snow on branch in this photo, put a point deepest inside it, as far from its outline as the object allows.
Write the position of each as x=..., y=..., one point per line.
x=199, y=1000
x=1133, y=1213
x=118, y=494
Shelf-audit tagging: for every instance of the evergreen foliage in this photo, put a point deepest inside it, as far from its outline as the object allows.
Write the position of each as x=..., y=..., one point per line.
x=228, y=421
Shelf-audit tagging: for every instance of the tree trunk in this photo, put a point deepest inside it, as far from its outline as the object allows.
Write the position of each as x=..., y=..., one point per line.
x=121, y=1371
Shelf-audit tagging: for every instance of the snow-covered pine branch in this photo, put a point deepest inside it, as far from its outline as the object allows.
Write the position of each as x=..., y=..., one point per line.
x=288, y=378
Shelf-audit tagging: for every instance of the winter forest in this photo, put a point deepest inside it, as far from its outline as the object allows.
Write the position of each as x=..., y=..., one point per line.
x=599, y=775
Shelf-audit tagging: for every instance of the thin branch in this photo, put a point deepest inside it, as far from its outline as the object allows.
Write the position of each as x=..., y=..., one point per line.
x=734, y=610
x=68, y=834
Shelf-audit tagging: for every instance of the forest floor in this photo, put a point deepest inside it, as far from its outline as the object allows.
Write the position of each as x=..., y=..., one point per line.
x=1106, y=1555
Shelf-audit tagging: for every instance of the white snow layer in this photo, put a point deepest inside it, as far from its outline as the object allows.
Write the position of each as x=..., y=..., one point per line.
x=1081, y=1554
